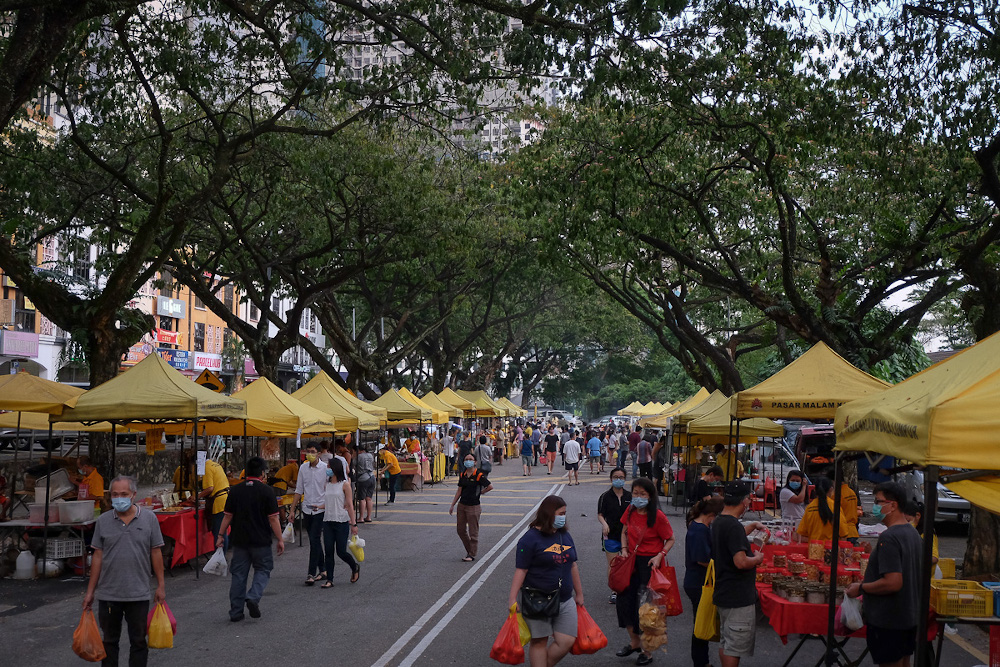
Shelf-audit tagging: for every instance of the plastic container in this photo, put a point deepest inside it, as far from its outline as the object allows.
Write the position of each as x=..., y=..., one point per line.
x=63, y=547
x=36, y=512
x=957, y=597
x=76, y=511
x=24, y=567
x=994, y=586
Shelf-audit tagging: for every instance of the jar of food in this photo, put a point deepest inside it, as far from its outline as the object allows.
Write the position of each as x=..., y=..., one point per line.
x=828, y=552
x=824, y=574
x=796, y=593
x=796, y=563
x=844, y=579
x=854, y=573
x=782, y=590
x=776, y=582
x=812, y=570
x=768, y=575
x=863, y=565
x=815, y=550
x=846, y=550
x=780, y=559
x=856, y=554
x=816, y=594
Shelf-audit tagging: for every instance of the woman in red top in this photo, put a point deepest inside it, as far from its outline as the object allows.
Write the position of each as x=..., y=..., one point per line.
x=646, y=530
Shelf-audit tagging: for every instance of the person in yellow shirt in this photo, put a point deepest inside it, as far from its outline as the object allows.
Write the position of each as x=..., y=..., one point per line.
x=728, y=460
x=89, y=477
x=184, y=475
x=412, y=443
x=849, y=505
x=817, y=522
x=914, y=513
x=215, y=487
x=390, y=464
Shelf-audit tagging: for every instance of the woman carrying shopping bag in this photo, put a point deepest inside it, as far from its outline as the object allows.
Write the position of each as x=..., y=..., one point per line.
x=647, y=532
x=546, y=581
x=697, y=555
x=339, y=521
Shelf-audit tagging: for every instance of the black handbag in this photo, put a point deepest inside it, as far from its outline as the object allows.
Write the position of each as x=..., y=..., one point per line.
x=540, y=604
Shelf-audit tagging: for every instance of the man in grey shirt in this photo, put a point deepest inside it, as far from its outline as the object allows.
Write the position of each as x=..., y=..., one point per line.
x=890, y=586
x=127, y=553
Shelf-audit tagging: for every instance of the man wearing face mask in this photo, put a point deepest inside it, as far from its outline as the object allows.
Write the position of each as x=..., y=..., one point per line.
x=127, y=553
x=735, y=575
x=310, y=488
x=890, y=586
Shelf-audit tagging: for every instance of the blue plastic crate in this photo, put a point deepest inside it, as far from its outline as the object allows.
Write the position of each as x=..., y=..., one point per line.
x=994, y=586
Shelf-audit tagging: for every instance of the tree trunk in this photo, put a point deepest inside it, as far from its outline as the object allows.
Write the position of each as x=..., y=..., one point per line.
x=982, y=551
x=106, y=346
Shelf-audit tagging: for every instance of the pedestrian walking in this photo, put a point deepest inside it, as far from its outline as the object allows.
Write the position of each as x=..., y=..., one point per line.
x=613, y=448
x=339, y=522
x=891, y=583
x=551, y=446
x=366, y=484
x=545, y=563
x=448, y=446
x=309, y=489
x=465, y=448
x=390, y=464
x=697, y=554
x=634, y=438
x=214, y=488
x=536, y=441
x=594, y=453
x=571, y=454
x=484, y=455
x=472, y=484
x=647, y=531
x=127, y=554
x=644, y=454
x=526, y=452
x=610, y=508
x=735, y=576
x=252, y=513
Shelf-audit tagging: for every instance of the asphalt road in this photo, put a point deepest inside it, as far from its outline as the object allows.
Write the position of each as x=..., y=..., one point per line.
x=416, y=602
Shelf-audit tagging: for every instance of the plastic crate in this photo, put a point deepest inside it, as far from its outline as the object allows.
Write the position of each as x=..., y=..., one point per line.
x=956, y=597
x=994, y=586
x=64, y=547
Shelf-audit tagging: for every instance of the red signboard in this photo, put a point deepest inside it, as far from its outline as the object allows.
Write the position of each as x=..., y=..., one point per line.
x=169, y=337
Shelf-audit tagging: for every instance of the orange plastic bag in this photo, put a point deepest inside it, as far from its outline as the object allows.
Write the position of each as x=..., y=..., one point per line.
x=87, y=638
x=663, y=582
x=507, y=649
x=589, y=638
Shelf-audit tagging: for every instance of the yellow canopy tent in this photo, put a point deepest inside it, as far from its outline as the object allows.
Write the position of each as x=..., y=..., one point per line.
x=436, y=402
x=661, y=419
x=811, y=387
x=684, y=415
x=401, y=411
x=39, y=421
x=485, y=406
x=437, y=416
x=719, y=422
x=347, y=418
x=513, y=409
x=449, y=396
x=22, y=392
x=322, y=378
x=631, y=410
x=650, y=409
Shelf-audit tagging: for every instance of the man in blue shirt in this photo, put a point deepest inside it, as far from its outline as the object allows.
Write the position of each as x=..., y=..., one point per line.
x=527, y=450
x=594, y=453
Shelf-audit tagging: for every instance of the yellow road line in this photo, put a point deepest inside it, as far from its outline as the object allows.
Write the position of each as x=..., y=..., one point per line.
x=969, y=648
x=444, y=525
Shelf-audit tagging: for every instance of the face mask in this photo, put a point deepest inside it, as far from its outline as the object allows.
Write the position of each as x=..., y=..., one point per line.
x=310, y=457
x=877, y=511
x=329, y=473
x=121, y=505
x=640, y=503
x=559, y=521
x=618, y=483
x=795, y=486
x=470, y=464
x=80, y=470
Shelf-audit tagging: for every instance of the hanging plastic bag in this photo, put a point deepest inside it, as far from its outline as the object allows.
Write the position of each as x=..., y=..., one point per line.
x=356, y=546
x=849, y=615
x=522, y=625
x=217, y=564
x=589, y=638
x=161, y=635
x=507, y=648
x=706, y=617
x=652, y=621
x=663, y=582
x=170, y=616
x=288, y=534
x=87, y=638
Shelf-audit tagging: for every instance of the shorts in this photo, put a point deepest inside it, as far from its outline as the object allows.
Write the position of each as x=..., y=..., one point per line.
x=564, y=622
x=366, y=489
x=890, y=645
x=550, y=450
x=738, y=629
x=526, y=460
x=611, y=546
x=595, y=455
x=573, y=466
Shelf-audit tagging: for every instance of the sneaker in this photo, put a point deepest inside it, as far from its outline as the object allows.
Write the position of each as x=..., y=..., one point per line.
x=389, y=503
x=254, y=609
x=236, y=619
x=612, y=598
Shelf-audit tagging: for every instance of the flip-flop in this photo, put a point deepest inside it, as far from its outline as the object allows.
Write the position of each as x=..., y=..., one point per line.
x=310, y=580
x=356, y=575
x=468, y=559
x=328, y=584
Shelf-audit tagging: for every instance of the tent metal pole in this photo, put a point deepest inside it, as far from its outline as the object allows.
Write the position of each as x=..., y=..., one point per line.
x=926, y=566
x=17, y=445
x=197, y=489
x=838, y=477
x=48, y=493
x=114, y=449
x=244, y=447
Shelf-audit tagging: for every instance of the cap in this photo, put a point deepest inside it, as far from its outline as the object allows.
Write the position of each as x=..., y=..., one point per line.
x=736, y=490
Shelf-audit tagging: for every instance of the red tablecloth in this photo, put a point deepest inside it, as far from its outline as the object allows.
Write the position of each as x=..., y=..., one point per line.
x=789, y=549
x=180, y=526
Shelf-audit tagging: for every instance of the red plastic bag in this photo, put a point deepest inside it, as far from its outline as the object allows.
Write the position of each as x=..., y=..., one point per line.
x=589, y=638
x=170, y=615
x=620, y=572
x=507, y=648
x=663, y=582
x=87, y=638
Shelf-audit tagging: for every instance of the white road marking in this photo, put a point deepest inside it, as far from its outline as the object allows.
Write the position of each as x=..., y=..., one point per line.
x=408, y=635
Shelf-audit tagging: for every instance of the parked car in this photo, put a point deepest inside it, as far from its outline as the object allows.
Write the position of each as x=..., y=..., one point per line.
x=951, y=506
x=770, y=458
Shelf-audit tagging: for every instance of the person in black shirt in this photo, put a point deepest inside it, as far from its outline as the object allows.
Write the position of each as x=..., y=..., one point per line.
x=610, y=507
x=735, y=576
x=252, y=511
x=472, y=483
x=464, y=449
x=551, y=446
x=703, y=487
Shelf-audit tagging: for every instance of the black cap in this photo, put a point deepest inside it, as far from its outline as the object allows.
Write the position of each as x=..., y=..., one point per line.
x=736, y=490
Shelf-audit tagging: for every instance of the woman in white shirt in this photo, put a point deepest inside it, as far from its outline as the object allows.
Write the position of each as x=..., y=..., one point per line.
x=338, y=521
x=793, y=498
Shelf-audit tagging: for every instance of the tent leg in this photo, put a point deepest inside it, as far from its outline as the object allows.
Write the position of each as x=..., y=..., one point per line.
x=48, y=492
x=114, y=450
x=17, y=444
x=197, y=489
x=926, y=566
x=838, y=477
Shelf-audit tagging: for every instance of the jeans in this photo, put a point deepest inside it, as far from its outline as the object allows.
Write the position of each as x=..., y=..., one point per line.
x=393, y=480
x=468, y=526
x=699, y=647
x=646, y=470
x=262, y=561
x=314, y=526
x=634, y=455
x=335, y=535
x=216, y=526
x=110, y=615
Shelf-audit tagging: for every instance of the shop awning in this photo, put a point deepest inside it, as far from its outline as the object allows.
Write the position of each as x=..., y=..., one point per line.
x=512, y=409
x=23, y=392
x=811, y=387
x=448, y=395
x=436, y=402
x=347, y=417
x=400, y=410
x=323, y=379
x=485, y=406
x=631, y=410
x=437, y=416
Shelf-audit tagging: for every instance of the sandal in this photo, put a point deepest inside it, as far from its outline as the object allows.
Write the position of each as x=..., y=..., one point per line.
x=310, y=580
x=328, y=584
x=355, y=576
x=468, y=559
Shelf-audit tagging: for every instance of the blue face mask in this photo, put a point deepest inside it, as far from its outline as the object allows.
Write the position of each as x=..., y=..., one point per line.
x=795, y=486
x=559, y=521
x=640, y=503
x=329, y=474
x=121, y=505
x=877, y=511
x=618, y=483
x=470, y=464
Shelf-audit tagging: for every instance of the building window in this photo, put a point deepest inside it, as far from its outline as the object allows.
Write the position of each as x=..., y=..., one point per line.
x=276, y=305
x=199, y=304
x=166, y=323
x=24, y=320
x=228, y=297
x=199, y=337
x=218, y=340
x=254, y=312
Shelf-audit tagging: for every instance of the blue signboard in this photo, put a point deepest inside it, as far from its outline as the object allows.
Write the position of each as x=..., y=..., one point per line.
x=179, y=359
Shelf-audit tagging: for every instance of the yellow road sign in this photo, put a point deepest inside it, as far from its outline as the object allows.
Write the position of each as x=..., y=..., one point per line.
x=210, y=380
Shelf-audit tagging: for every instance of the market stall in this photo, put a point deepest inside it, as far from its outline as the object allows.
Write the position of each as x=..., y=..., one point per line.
x=191, y=538
x=347, y=397
x=347, y=417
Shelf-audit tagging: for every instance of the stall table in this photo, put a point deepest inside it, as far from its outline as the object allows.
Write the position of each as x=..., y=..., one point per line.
x=413, y=470
x=15, y=529
x=182, y=528
x=992, y=621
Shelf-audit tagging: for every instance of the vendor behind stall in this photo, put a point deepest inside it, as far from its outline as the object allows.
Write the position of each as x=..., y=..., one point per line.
x=817, y=521
x=728, y=460
x=184, y=474
x=215, y=488
x=89, y=481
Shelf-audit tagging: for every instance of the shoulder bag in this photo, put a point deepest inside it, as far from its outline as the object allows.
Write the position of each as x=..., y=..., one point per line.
x=541, y=604
x=620, y=571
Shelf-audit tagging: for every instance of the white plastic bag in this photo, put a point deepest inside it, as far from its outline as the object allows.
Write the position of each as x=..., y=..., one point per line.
x=288, y=535
x=217, y=564
x=938, y=574
x=850, y=614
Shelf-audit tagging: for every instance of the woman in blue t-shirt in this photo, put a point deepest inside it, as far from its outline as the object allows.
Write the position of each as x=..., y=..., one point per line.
x=697, y=554
x=546, y=561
